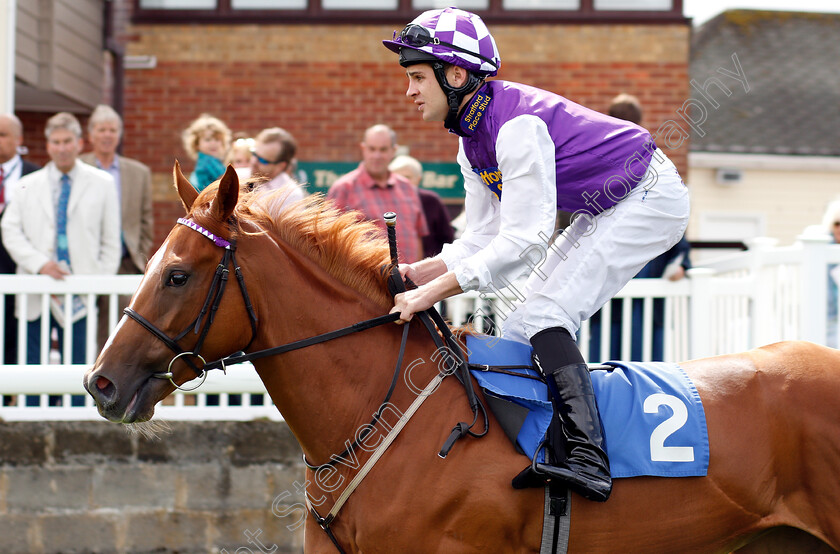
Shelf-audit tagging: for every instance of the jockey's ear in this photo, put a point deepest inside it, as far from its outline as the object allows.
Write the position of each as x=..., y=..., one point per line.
x=227, y=195
x=185, y=189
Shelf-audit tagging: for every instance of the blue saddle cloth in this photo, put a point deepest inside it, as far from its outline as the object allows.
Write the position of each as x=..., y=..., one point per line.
x=652, y=415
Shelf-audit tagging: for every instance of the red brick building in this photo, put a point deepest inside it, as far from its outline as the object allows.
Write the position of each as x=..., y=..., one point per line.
x=323, y=74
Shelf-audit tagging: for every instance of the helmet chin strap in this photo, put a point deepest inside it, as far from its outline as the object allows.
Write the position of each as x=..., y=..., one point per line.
x=454, y=96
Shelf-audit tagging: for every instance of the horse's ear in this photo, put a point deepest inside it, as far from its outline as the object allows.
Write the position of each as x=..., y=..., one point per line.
x=227, y=195
x=185, y=189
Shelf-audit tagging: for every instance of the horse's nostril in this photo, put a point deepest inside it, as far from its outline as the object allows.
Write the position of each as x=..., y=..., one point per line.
x=104, y=390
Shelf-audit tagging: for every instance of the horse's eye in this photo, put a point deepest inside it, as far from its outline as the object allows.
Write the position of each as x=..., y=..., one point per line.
x=177, y=279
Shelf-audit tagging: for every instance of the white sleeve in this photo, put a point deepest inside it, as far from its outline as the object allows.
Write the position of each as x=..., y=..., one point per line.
x=481, y=211
x=525, y=215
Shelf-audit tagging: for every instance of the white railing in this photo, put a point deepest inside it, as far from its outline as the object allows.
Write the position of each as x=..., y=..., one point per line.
x=53, y=390
x=486, y=313
x=39, y=289
x=735, y=303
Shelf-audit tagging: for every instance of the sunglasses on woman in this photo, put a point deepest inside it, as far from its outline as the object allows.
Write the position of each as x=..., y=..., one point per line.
x=263, y=160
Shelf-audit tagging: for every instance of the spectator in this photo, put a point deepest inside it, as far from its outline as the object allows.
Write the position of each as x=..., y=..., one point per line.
x=831, y=226
x=12, y=168
x=207, y=141
x=273, y=152
x=64, y=220
x=627, y=107
x=437, y=217
x=133, y=182
x=671, y=264
x=373, y=190
x=240, y=156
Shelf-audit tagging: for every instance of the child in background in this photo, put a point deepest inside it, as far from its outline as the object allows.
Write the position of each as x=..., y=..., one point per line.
x=207, y=141
x=240, y=156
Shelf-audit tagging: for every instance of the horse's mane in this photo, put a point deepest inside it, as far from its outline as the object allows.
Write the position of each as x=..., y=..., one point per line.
x=353, y=251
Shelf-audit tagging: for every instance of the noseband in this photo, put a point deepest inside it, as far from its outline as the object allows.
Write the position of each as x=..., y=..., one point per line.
x=208, y=310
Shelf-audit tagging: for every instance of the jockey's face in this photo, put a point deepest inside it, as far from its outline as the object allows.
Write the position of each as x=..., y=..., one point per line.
x=425, y=92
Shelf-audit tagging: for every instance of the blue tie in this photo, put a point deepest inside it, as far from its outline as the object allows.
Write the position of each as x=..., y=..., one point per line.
x=61, y=250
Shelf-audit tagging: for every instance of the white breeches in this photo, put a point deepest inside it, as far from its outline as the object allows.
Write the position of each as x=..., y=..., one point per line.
x=594, y=258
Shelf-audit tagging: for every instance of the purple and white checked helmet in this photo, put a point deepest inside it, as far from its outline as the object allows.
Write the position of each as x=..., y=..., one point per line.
x=450, y=35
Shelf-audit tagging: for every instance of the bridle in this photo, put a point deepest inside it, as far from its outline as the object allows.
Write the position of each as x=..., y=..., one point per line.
x=431, y=319
x=208, y=310
x=211, y=304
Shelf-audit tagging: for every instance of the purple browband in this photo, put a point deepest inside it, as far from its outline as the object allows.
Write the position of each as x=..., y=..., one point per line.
x=220, y=242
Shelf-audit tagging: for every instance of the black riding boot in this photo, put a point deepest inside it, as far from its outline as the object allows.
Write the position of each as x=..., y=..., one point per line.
x=586, y=468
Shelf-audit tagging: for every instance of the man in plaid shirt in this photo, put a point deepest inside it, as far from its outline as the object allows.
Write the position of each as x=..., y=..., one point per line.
x=373, y=190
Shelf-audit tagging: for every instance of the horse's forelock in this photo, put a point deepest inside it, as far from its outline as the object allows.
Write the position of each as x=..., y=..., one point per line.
x=202, y=211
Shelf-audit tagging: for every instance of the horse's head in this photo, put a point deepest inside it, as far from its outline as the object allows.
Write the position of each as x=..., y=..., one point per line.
x=167, y=331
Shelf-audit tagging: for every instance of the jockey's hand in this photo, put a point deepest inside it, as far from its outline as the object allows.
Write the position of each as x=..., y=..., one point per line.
x=425, y=296
x=407, y=304
x=407, y=271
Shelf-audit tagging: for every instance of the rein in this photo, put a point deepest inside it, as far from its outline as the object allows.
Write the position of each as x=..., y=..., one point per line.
x=455, y=362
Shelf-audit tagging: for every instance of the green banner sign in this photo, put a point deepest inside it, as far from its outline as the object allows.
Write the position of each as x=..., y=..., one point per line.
x=443, y=178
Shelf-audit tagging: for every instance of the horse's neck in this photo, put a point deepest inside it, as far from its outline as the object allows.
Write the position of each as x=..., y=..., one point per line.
x=326, y=391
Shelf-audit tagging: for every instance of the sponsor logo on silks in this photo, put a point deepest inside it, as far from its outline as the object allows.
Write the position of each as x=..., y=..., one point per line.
x=492, y=178
x=477, y=109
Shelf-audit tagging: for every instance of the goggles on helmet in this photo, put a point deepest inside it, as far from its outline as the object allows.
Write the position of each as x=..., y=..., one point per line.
x=418, y=36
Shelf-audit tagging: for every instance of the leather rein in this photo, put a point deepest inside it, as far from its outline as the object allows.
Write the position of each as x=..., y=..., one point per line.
x=455, y=363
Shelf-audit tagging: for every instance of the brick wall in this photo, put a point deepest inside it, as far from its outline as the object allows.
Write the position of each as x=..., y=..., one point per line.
x=326, y=84
x=202, y=487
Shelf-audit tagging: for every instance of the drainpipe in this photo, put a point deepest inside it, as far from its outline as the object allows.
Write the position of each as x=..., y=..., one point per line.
x=8, y=30
x=117, y=52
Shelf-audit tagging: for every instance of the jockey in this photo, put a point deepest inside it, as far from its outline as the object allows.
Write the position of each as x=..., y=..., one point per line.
x=524, y=153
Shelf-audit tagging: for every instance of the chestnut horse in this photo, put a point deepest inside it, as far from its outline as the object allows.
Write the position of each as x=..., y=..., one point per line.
x=773, y=413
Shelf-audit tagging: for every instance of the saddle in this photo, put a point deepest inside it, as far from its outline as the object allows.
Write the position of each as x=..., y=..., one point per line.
x=651, y=412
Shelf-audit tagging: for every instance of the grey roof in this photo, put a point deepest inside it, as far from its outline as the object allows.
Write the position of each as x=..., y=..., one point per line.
x=791, y=62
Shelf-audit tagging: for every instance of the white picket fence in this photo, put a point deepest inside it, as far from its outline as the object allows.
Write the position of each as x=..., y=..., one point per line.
x=53, y=390
x=734, y=303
